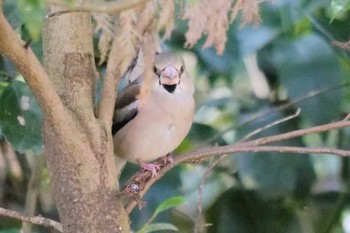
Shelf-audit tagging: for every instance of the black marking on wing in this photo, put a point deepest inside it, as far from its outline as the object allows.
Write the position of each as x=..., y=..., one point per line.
x=132, y=63
x=127, y=99
x=123, y=112
x=117, y=125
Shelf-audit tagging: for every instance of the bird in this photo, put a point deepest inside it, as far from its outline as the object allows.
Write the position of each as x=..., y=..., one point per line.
x=146, y=130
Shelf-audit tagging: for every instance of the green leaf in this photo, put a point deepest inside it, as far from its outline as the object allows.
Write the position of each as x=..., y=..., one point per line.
x=160, y=227
x=167, y=204
x=3, y=85
x=252, y=39
x=339, y=8
x=170, y=203
x=13, y=230
x=20, y=117
x=200, y=133
x=303, y=67
x=32, y=13
x=12, y=14
x=244, y=211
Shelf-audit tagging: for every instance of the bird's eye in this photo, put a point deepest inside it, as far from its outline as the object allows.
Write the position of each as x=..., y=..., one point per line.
x=181, y=69
x=155, y=69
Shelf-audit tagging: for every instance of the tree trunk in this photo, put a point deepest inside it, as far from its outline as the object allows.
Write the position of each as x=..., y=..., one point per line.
x=79, y=149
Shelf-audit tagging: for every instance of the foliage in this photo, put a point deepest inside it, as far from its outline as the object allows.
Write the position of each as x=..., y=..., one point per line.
x=167, y=204
x=20, y=117
x=247, y=192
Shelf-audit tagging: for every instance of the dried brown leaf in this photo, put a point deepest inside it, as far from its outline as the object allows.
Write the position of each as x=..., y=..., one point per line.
x=147, y=17
x=148, y=46
x=197, y=16
x=127, y=38
x=104, y=24
x=130, y=29
x=235, y=9
x=218, y=25
x=167, y=17
x=210, y=17
x=250, y=12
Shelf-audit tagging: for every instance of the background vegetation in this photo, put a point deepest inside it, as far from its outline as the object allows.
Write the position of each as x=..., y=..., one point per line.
x=267, y=72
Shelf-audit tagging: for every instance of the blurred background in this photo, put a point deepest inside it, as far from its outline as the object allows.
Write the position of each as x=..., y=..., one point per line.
x=266, y=73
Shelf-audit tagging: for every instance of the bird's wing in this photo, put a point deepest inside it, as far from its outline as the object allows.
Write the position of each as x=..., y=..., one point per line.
x=126, y=106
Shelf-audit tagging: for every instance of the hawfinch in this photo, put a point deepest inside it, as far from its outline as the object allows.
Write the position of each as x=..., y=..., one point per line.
x=145, y=131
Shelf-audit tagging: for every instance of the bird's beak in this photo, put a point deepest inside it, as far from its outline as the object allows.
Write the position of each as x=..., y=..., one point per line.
x=169, y=76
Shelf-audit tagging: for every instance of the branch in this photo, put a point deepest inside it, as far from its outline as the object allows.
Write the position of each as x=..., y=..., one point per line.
x=347, y=117
x=107, y=7
x=13, y=48
x=214, y=163
x=230, y=149
x=344, y=45
x=36, y=164
x=109, y=88
x=115, y=68
x=37, y=220
x=281, y=107
x=270, y=125
x=298, y=133
x=209, y=169
x=251, y=146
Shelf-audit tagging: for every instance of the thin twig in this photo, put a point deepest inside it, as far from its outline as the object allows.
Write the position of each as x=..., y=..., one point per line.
x=298, y=133
x=238, y=148
x=107, y=7
x=347, y=117
x=208, y=171
x=37, y=220
x=281, y=107
x=333, y=215
x=36, y=163
x=271, y=125
x=214, y=163
x=252, y=146
x=344, y=45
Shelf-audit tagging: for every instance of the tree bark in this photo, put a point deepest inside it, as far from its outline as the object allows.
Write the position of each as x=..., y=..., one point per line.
x=80, y=151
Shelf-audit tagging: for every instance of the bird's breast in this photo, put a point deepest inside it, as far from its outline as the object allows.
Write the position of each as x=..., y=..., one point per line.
x=168, y=122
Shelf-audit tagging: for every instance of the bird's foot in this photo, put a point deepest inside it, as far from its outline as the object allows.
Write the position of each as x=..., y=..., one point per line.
x=169, y=159
x=165, y=160
x=151, y=167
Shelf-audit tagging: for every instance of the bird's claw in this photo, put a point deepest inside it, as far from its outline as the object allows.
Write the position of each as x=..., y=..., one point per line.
x=163, y=161
x=151, y=167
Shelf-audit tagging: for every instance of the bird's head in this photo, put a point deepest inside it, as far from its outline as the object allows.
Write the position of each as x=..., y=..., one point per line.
x=169, y=69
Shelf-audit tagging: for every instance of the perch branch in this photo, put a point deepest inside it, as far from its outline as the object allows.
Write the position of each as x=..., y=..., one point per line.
x=37, y=220
x=12, y=47
x=252, y=146
x=233, y=149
